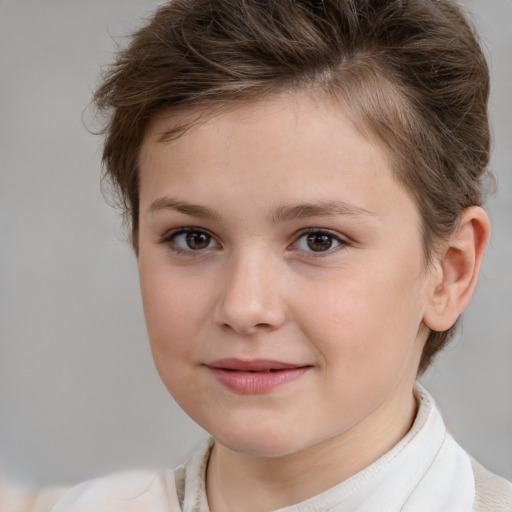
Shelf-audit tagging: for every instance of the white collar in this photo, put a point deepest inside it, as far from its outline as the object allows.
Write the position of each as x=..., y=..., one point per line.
x=426, y=471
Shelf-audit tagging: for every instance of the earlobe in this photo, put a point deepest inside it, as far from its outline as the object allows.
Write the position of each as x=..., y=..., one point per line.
x=457, y=269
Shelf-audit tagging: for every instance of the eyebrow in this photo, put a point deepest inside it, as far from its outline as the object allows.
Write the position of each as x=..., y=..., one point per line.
x=281, y=214
x=302, y=211
x=194, y=210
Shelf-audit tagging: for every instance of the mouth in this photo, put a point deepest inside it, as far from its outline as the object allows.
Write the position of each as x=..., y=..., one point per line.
x=255, y=376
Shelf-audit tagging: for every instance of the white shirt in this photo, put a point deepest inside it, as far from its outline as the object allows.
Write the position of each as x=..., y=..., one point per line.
x=427, y=471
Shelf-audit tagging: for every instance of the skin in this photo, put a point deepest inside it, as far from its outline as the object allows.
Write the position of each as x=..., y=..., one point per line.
x=355, y=315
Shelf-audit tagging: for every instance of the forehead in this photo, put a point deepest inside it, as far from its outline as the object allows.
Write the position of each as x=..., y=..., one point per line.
x=302, y=104
x=289, y=147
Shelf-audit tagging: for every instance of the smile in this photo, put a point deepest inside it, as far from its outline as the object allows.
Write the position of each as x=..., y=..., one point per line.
x=256, y=376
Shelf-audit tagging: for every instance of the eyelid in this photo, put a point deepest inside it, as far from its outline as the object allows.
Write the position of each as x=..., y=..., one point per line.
x=342, y=241
x=167, y=239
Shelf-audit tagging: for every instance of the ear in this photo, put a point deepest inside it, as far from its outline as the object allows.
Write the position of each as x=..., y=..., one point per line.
x=456, y=270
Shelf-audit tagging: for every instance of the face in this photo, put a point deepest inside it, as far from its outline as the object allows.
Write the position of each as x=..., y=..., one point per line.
x=282, y=275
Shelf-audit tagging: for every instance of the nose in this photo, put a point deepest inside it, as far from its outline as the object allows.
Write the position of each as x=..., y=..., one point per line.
x=250, y=301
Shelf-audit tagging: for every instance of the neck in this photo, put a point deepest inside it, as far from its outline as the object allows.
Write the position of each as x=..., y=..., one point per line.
x=241, y=483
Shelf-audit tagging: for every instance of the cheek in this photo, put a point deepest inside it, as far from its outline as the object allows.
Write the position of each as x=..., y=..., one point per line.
x=357, y=328
x=171, y=310
x=360, y=320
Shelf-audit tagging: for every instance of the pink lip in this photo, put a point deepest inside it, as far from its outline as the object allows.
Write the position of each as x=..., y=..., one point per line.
x=255, y=376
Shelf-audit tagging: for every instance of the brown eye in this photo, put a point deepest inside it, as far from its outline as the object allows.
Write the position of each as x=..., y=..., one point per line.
x=197, y=240
x=319, y=242
x=191, y=240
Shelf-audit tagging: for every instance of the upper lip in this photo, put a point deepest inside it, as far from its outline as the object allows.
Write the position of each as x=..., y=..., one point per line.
x=254, y=365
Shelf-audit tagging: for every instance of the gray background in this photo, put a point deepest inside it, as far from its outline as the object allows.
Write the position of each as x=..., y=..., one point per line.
x=78, y=393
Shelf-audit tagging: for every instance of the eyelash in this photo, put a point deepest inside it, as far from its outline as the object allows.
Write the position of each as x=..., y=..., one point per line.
x=333, y=236
x=169, y=240
x=170, y=237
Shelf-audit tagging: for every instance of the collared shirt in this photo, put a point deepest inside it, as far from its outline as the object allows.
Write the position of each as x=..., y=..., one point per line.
x=427, y=471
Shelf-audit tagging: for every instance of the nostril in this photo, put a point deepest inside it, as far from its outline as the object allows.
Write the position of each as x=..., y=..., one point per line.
x=248, y=315
x=247, y=329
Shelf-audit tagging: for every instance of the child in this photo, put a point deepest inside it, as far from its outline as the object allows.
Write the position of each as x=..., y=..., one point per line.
x=304, y=182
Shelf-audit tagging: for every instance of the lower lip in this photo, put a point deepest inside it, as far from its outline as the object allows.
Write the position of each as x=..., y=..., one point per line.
x=256, y=382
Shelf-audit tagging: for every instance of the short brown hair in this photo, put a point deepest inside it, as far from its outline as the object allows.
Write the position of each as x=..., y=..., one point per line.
x=411, y=72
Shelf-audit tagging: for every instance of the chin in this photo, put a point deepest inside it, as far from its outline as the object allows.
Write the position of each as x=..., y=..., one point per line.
x=268, y=448
x=260, y=442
